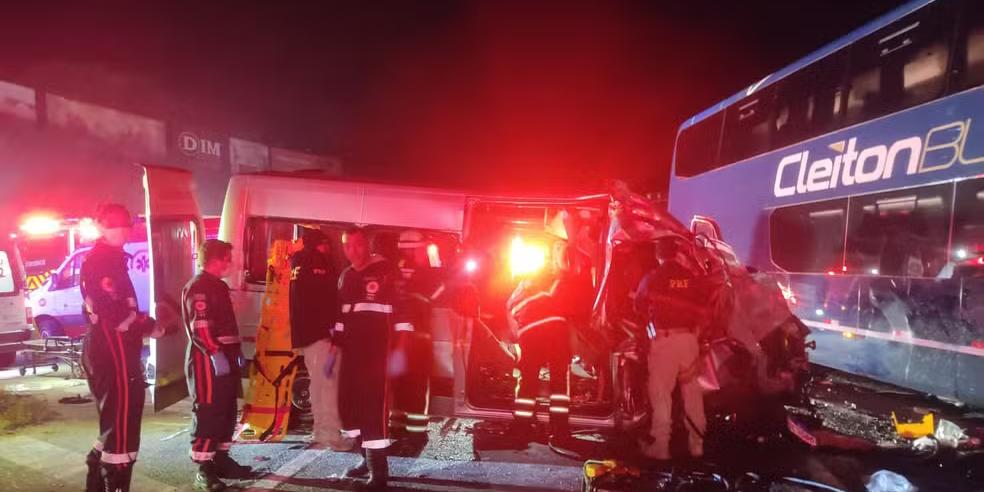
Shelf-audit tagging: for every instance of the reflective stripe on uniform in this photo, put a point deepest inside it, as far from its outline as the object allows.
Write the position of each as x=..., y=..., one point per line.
x=560, y=410
x=552, y=319
x=437, y=293
x=523, y=413
x=403, y=327
x=416, y=428
x=346, y=308
x=377, y=444
x=202, y=456
x=351, y=434
x=118, y=458
x=525, y=401
x=418, y=417
x=339, y=326
x=560, y=398
x=201, y=324
x=372, y=307
x=229, y=339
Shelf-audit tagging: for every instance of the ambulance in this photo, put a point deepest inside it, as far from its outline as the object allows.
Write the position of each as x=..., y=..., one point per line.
x=57, y=304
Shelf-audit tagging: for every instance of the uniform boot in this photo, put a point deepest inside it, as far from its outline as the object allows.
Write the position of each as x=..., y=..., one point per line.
x=226, y=467
x=93, y=478
x=207, y=479
x=378, y=468
x=116, y=478
x=361, y=469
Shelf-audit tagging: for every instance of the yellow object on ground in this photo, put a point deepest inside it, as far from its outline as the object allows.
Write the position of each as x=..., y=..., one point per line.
x=914, y=430
x=268, y=403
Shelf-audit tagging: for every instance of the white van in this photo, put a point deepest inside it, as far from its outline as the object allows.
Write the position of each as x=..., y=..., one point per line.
x=15, y=316
x=471, y=375
x=57, y=305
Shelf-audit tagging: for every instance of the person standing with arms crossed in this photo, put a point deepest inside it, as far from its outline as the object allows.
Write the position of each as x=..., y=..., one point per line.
x=313, y=306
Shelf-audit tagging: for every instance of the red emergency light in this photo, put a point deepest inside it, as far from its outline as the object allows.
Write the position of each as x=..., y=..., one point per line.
x=41, y=225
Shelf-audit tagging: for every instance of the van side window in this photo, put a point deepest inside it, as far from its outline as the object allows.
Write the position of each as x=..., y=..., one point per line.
x=260, y=235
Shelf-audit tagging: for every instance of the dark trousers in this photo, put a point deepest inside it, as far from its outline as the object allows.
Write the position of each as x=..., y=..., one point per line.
x=118, y=385
x=213, y=405
x=411, y=390
x=544, y=346
x=362, y=389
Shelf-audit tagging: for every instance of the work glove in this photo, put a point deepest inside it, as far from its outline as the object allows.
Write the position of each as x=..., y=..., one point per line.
x=330, y=362
x=220, y=363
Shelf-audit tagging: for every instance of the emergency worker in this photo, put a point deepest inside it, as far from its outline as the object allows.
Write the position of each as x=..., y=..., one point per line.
x=213, y=363
x=423, y=287
x=539, y=306
x=111, y=353
x=313, y=306
x=671, y=300
x=368, y=296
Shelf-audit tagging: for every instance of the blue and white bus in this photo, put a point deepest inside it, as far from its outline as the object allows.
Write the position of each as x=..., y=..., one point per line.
x=857, y=175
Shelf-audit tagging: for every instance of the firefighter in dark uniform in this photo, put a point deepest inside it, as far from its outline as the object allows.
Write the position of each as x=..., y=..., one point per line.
x=671, y=299
x=111, y=353
x=539, y=306
x=368, y=296
x=213, y=364
x=423, y=288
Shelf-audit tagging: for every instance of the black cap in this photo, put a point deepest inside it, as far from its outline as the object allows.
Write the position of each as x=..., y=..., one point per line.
x=313, y=237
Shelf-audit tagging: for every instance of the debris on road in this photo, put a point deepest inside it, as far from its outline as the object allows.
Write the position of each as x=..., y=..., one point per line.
x=949, y=435
x=887, y=481
x=914, y=430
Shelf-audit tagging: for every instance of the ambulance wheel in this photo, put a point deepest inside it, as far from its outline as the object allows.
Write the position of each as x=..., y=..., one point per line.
x=22, y=371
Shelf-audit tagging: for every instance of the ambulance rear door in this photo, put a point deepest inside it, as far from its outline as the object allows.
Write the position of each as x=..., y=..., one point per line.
x=174, y=229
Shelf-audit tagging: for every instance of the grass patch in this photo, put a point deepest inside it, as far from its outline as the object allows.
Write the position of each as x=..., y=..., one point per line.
x=18, y=411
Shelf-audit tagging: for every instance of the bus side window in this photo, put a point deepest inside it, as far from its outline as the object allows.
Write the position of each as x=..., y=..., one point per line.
x=970, y=52
x=747, y=126
x=968, y=222
x=900, y=233
x=809, y=102
x=809, y=238
x=697, y=147
x=901, y=65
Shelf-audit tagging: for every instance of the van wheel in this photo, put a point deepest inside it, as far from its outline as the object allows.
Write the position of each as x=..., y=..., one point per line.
x=49, y=327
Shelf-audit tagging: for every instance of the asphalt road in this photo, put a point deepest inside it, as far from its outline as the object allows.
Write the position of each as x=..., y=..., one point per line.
x=463, y=454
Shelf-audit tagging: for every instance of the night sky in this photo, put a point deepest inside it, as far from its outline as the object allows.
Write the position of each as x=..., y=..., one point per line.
x=486, y=95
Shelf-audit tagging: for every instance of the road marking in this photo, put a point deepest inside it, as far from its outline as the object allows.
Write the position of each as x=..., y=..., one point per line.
x=286, y=471
x=70, y=468
x=898, y=336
